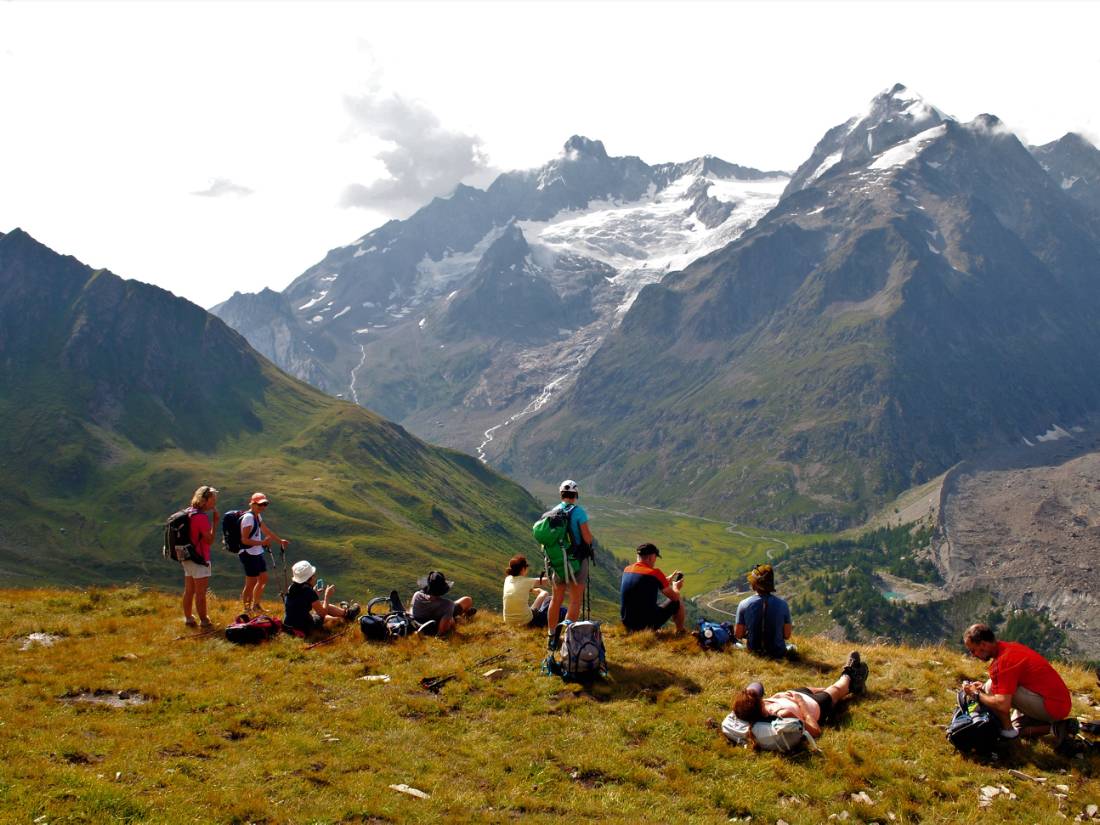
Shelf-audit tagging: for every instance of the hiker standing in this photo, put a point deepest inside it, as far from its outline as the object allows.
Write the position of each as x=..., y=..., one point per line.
x=640, y=591
x=764, y=620
x=256, y=537
x=580, y=547
x=1024, y=690
x=196, y=576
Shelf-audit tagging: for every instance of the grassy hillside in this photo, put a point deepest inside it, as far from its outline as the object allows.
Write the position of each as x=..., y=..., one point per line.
x=119, y=399
x=281, y=734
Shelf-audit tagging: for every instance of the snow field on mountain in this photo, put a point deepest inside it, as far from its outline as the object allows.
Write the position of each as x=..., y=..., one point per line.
x=902, y=153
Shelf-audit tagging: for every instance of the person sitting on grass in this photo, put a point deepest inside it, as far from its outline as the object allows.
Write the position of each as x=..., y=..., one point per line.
x=814, y=706
x=429, y=605
x=1023, y=691
x=308, y=612
x=640, y=591
x=763, y=620
x=517, y=584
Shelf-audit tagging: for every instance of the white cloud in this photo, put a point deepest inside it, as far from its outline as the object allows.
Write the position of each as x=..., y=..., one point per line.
x=220, y=187
x=426, y=159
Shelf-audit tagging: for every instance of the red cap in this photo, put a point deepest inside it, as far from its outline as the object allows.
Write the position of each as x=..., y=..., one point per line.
x=259, y=498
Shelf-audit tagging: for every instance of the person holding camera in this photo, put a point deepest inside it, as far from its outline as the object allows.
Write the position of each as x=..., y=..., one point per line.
x=640, y=593
x=517, y=586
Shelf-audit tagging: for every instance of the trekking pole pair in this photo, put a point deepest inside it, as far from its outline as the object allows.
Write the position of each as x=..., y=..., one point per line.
x=282, y=552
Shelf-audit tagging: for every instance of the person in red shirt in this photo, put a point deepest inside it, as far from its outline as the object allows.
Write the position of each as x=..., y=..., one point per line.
x=1023, y=690
x=196, y=576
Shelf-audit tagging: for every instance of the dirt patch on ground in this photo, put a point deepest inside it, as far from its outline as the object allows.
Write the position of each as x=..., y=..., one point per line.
x=1024, y=523
x=105, y=698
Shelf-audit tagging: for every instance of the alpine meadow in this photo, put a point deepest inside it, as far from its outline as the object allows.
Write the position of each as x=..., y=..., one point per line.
x=591, y=486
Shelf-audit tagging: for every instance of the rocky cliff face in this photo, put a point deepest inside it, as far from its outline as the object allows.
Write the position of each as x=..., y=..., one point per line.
x=1024, y=524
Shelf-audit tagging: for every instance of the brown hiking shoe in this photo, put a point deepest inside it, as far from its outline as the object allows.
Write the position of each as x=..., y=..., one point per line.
x=1064, y=730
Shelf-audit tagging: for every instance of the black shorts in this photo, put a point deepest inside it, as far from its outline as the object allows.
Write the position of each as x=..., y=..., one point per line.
x=661, y=614
x=253, y=565
x=823, y=699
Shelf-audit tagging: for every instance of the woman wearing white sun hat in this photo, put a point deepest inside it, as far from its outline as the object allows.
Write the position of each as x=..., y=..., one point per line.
x=308, y=612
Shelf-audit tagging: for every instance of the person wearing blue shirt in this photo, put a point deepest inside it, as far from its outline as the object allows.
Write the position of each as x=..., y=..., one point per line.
x=764, y=619
x=580, y=541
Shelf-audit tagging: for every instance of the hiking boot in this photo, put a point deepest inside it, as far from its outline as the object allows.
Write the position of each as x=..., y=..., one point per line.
x=189, y=621
x=206, y=624
x=553, y=642
x=469, y=614
x=351, y=611
x=257, y=607
x=857, y=672
x=1064, y=730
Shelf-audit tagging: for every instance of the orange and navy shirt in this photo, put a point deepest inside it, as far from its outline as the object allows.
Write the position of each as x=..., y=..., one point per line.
x=638, y=594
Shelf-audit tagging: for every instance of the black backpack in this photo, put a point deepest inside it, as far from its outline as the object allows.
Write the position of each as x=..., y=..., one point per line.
x=177, y=538
x=973, y=727
x=231, y=531
x=392, y=624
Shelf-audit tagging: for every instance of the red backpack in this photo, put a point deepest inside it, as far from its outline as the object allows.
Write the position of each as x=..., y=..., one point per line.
x=246, y=631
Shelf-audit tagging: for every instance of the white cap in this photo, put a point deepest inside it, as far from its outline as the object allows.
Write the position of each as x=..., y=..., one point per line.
x=302, y=571
x=568, y=486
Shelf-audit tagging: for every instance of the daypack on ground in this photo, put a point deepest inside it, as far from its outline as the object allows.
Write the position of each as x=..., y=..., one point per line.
x=777, y=734
x=552, y=532
x=231, y=531
x=973, y=727
x=246, y=631
x=392, y=624
x=583, y=657
x=177, y=538
x=713, y=635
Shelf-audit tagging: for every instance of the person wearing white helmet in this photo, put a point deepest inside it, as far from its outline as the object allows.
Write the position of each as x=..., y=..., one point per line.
x=306, y=611
x=580, y=547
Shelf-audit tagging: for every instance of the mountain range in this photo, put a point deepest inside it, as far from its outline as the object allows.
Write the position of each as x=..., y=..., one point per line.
x=119, y=399
x=483, y=305
x=785, y=349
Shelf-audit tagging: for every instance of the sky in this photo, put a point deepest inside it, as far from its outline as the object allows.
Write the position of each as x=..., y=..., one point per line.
x=218, y=147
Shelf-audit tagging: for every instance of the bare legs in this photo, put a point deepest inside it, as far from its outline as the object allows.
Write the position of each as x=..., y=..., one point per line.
x=188, y=598
x=253, y=589
x=540, y=599
x=840, y=689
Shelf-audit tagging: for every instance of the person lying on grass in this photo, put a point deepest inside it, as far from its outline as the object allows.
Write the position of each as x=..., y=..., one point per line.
x=305, y=610
x=814, y=706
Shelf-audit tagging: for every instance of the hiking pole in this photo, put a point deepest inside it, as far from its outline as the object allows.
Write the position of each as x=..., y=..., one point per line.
x=328, y=639
x=202, y=635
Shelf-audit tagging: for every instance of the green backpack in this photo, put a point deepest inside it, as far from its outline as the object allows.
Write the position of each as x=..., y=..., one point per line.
x=552, y=532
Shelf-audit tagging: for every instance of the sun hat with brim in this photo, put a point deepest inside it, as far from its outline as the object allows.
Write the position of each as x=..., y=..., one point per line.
x=302, y=572
x=435, y=584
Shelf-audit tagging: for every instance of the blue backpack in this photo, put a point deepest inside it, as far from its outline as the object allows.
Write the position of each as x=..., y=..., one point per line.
x=712, y=635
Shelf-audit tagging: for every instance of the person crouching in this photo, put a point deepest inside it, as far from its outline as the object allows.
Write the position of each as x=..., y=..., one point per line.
x=306, y=611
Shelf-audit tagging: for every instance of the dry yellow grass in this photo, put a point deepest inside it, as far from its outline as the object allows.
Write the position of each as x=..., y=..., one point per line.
x=278, y=733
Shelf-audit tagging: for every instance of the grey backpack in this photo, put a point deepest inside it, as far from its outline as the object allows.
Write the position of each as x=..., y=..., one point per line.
x=582, y=652
x=776, y=734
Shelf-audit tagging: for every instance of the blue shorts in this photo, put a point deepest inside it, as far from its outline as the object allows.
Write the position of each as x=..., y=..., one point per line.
x=253, y=565
x=538, y=617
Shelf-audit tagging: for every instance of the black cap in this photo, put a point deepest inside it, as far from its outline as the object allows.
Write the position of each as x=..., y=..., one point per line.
x=648, y=549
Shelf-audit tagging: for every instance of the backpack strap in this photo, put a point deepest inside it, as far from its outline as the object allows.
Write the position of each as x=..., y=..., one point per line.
x=761, y=625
